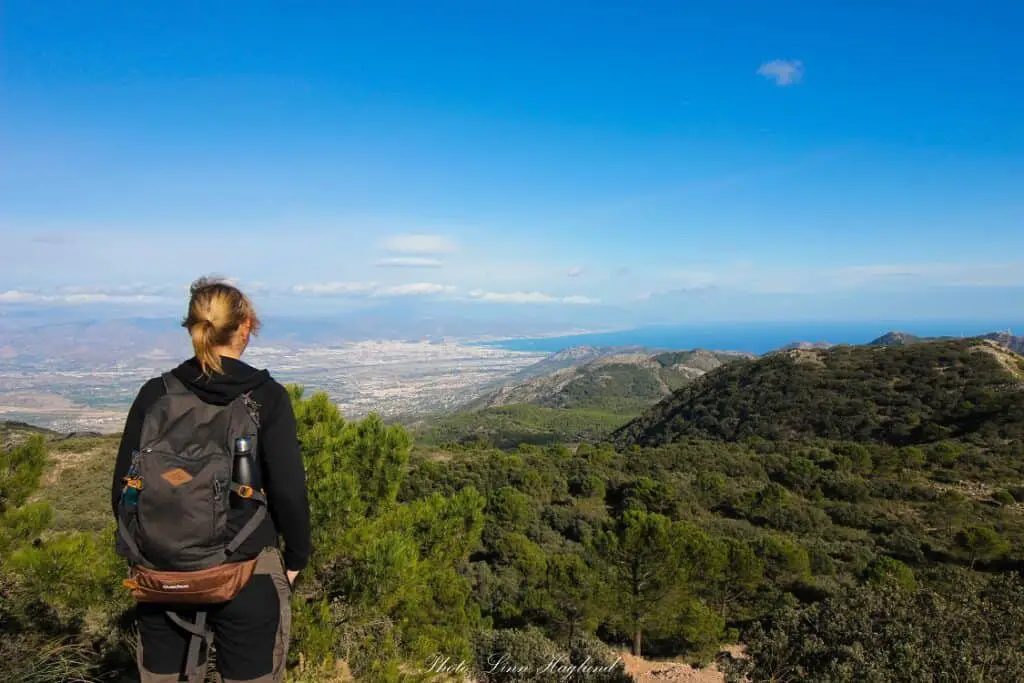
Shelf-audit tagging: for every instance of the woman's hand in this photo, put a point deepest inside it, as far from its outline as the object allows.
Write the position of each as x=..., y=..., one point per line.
x=292, y=574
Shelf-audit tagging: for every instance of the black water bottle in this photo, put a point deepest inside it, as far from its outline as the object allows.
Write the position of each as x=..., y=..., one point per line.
x=241, y=474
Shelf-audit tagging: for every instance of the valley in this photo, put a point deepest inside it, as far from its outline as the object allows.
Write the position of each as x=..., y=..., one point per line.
x=388, y=377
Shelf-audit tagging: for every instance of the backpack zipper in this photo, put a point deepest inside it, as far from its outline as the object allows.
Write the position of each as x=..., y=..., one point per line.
x=218, y=505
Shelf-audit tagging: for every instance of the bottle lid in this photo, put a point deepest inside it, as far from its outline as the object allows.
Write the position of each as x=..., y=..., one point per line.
x=243, y=444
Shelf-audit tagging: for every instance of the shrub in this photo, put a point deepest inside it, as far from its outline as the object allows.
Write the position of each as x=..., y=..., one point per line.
x=888, y=571
x=515, y=656
x=597, y=662
x=509, y=656
x=885, y=633
x=1004, y=497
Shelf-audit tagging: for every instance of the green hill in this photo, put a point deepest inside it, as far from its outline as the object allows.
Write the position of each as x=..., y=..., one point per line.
x=14, y=433
x=1013, y=342
x=509, y=426
x=583, y=402
x=902, y=394
x=623, y=383
x=572, y=356
x=1010, y=341
x=898, y=339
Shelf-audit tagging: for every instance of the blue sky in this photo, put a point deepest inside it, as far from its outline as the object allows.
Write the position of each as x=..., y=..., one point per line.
x=735, y=161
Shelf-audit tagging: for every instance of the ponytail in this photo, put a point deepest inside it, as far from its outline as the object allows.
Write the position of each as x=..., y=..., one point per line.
x=216, y=310
x=202, y=334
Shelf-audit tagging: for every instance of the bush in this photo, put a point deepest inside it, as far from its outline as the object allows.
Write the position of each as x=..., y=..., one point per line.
x=514, y=655
x=696, y=630
x=888, y=571
x=1004, y=497
x=20, y=470
x=61, y=600
x=885, y=633
x=597, y=662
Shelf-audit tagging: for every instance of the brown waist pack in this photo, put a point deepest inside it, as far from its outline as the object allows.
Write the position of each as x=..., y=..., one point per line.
x=202, y=587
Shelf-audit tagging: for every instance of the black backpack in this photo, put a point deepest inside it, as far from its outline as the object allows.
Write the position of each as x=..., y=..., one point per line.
x=176, y=526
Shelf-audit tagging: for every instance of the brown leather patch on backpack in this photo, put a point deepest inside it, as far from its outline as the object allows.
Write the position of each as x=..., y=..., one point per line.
x=202, y=587
x=176, y=477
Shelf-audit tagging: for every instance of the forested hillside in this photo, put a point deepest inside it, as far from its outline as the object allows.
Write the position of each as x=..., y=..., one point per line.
x=510, y=426
x=850, y=515
x=898, y=395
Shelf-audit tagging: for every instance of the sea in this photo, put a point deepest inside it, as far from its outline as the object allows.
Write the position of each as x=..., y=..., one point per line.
x=758, y=337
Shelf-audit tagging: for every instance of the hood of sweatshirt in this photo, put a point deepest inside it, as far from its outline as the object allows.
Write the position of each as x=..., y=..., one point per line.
x=220, y=389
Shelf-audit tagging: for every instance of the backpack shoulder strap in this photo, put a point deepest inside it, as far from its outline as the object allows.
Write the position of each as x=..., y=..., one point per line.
x=251, y=407
x=174, y=386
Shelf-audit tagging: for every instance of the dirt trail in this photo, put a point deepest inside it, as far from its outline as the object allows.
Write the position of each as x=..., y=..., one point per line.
x=655, y=670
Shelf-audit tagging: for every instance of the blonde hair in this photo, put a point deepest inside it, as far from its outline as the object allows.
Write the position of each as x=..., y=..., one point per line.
x=216, y=310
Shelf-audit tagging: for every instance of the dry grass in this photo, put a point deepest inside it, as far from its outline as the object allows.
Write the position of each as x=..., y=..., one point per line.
x=77, y=482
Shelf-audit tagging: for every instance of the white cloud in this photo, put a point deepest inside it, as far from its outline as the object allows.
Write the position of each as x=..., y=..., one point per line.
x=126, y=290
x=512, y=297
x=100, y=298
x=415, y=289
x=434, y=289
x=408, y=262
x=575, y=271
x=19, y=296
x=362, y=289
x=528, y=298
x=334, y=288
x=783, y=71
x=579, y=300
x=418, y=244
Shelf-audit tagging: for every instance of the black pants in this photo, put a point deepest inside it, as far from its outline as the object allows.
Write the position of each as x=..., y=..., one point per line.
x=250, y=633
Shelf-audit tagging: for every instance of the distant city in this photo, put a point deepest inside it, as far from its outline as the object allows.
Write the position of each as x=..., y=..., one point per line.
x=389, y=377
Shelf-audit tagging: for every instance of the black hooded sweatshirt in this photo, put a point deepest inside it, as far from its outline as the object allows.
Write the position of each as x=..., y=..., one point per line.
x=280, y=474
